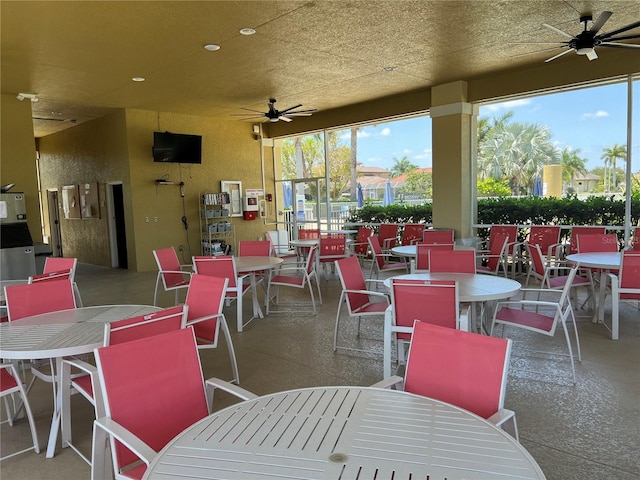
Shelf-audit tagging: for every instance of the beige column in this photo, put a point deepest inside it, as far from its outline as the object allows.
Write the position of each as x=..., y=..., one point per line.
x=453, y=127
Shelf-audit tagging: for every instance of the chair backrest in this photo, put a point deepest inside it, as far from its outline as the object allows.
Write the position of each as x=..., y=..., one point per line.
x=56, y=264
x=511, y=231
x=537, y=259
x=388, y=234
x=45, y=277
x=280, y=241
x=362, y=246
x=351, y=278
x=311, y=259
x=438, y=236
x=581, y=230
x=452, y=261
x=223, y=266
x=497, y=250
x=410, y=299
x=167, y=261
x=422, y=253
x=630, y=274
x=597, y=242
x=544, y=236
x=376, y=249
x=438, y=367
x=308, y=233
x=412, y=233
x=205, y=298
x=153, y=387
x=254, y=248
x=41, y=297
x=142, y=326
x=333, y=245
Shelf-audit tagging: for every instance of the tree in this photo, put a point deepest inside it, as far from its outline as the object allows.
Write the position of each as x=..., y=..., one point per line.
x=572, y=165
x=610, y=156
x=401, y=166
x=419, y=182
x=491, y=187
x=518, y=152
x=353, y=164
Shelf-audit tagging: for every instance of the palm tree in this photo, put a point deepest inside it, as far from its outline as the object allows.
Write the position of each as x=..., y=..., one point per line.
x=610, y=156
x=401, y=166
x=572, y=165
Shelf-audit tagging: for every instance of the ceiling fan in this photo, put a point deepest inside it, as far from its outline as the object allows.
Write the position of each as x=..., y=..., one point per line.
x=273, y=114
x=585, y=42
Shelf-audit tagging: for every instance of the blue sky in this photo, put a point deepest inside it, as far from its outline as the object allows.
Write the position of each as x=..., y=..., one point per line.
x=589, y=119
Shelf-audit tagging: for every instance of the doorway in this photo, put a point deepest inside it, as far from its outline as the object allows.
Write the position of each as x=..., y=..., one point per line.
x=117, y=231
x=55, y=234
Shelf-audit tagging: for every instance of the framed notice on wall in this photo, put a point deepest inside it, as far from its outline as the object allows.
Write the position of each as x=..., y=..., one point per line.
x=234, y=189
x=89, y=205
x=70, y=201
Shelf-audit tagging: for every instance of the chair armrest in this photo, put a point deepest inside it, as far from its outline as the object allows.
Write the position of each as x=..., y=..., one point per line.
x=375, y=281
x=181, y=272
x=369, y=292
x=388, y=382
x=80, y=365
x=187, y=266
x=213, y=383
x=128, y=439
x=500, y=417
x=218, y=316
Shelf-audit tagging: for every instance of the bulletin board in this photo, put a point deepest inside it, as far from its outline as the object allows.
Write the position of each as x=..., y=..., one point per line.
x=234, y=189
x=89, y=200
x=71, y=201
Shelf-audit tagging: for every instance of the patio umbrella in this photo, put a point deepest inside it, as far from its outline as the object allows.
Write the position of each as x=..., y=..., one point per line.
x=388, y=194
x=286, y=193
x=359, y=195
x=537, y=187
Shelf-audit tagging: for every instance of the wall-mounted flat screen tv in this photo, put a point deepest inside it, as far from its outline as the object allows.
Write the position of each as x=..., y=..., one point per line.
x=176, y=148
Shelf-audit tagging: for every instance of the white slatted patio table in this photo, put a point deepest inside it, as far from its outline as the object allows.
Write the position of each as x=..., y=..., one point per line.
x=472, y=288
x=604, y=261
x=61, y=334
x=411, y=251
x=252, y=265
x=343, y=433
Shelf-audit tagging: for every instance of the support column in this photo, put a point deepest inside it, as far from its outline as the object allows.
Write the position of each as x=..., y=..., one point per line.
x=453, y=127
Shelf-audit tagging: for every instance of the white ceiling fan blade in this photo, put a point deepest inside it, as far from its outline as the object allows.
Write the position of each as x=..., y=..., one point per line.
x=616, y=44
x=282, y=117
x=559, y=55
x=592, y=55
x=557, y=30
x=298, y=114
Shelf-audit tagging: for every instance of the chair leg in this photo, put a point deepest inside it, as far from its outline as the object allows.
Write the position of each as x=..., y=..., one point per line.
x=232, y=353
x=335, y=333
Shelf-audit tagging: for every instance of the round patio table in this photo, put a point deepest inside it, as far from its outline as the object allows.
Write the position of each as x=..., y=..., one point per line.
x=343, y=433
x=252, y=265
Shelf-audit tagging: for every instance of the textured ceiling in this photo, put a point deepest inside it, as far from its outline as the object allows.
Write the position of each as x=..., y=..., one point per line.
x=79, y=57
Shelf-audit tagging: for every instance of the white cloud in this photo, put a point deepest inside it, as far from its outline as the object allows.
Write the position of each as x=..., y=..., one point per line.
x=385, y=132
x=361, y=134
x=509, y=104
x=425, y=155
x=598, y=114
x=407, y=151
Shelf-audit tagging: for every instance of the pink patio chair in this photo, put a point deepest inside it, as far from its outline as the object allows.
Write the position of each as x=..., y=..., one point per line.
x=296, y=276
x=492, y=247
x=409, y=299
x=86, y=382
x=224, y=266
x=547, y=237
x=57, y=264
x=541, y=316
x=307, y=234
x=10, y=385
x=624, y=287
x=33, y=299
x=205, y=299
x=496, y=257
x=280, y=245
x=581, y=230
x=452, y=261
x=255, y=248
x=383, y=262
x=437, y=236
x=333, y=246
x=361, y=299
x=172, y=275
x=412, y=233
x=360, y=248
x=438, y=367
x=147, y=406
x=421, y=263
x=388, y=236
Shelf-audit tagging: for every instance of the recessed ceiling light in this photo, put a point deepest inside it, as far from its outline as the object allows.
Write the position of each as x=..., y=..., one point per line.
x=212, y=47
x=389, y=69
x=247, y=31
x=138, y=79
